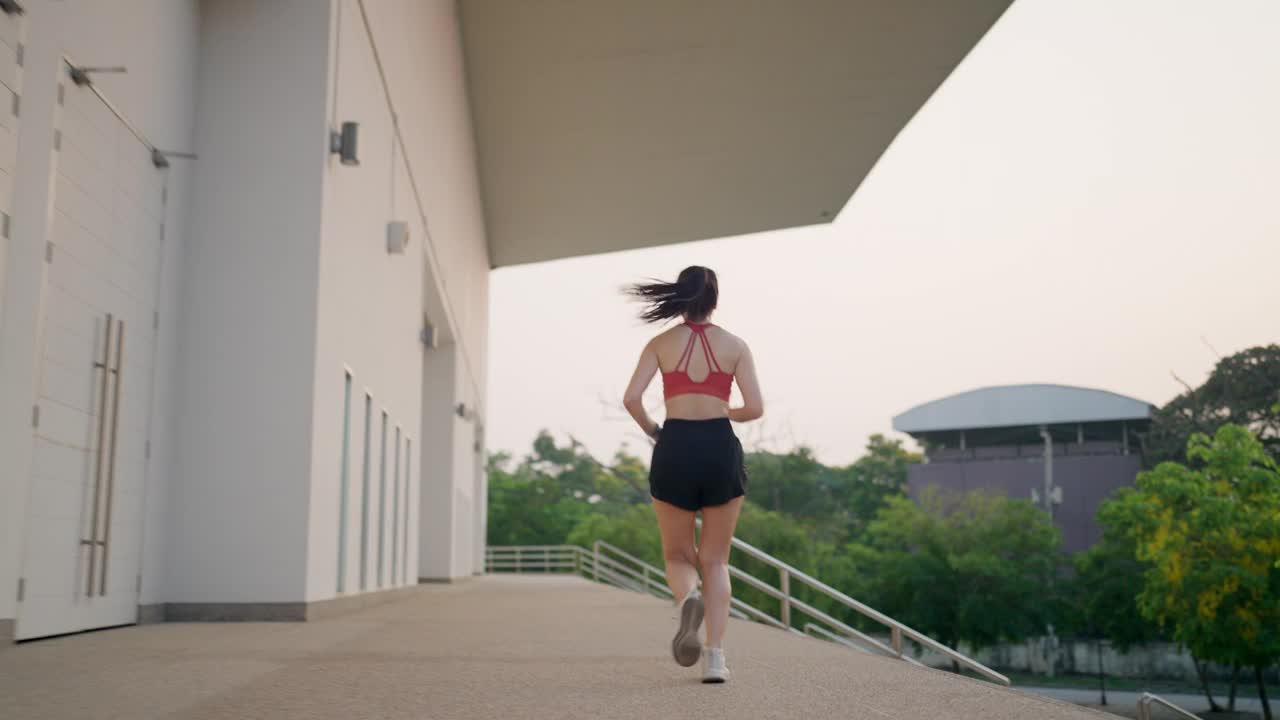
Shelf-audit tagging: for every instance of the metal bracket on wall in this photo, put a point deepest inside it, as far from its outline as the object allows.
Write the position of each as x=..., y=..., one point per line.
x=80, y=75
x=160, y=158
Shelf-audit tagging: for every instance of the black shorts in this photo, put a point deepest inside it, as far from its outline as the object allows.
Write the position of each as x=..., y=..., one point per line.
x=697, y=464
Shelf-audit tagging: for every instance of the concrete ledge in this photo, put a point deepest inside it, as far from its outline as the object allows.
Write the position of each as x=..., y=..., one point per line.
x=151, y=614
x=266, y=612
x=446, y=580
x=235, y=612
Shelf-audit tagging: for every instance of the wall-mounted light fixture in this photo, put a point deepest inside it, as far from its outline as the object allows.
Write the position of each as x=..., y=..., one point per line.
x=397, y=236
x=429, y=336
x=343, y=143
x=465, y=412
x=12, y=7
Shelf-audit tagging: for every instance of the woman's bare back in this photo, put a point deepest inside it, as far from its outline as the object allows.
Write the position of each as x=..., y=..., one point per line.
x=693, y=297
x=728, y=350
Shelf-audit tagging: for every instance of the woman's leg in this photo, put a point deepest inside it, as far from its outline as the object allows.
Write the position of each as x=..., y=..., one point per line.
x=678, y=551
x=718, y=524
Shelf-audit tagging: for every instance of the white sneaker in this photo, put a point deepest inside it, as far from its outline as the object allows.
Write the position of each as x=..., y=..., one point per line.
x=713, y=669
x=686, y=646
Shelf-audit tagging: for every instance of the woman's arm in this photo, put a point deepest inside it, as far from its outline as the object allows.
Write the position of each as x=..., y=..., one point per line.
x=633, y=399
x=752, y=401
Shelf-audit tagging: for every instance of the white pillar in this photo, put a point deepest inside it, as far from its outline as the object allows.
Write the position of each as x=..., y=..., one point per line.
x=481, y=495
x=442, y=431
x=238, y=514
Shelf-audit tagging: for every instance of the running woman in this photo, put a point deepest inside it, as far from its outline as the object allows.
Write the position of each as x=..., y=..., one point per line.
x=697, y=459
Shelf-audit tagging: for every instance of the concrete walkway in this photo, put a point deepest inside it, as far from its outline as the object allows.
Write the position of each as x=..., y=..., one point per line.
x=494, y=647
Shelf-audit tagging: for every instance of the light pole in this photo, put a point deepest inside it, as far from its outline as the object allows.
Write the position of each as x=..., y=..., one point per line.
x=1051, y=495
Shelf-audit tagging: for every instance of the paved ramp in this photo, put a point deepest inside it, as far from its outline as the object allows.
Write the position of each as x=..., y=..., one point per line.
x=494, y=647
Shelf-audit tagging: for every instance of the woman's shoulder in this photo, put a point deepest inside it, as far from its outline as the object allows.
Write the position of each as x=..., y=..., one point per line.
x=679, y=333
x=731, y=338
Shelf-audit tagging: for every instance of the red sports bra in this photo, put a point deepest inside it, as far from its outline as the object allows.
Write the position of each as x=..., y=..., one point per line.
x=717, y=383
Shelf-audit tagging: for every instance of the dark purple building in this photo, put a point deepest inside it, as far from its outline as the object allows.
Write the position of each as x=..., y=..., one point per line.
x=1064, y=448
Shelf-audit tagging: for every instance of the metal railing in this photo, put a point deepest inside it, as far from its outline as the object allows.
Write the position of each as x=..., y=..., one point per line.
x=605, y=563
x=1147, y=700
x=897, y=630
x=533, y=558
x=608, y=563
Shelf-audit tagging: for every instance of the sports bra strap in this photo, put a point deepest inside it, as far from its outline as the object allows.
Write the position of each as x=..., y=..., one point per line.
x=687, y=356
x=698, y=332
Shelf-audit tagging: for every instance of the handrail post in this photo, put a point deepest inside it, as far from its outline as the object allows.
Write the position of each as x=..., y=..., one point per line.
x=645, y=568
x=784, y=585
x=577, y=561
x=895, y=639
x=519, y=564
x=546, y=560
x=595, y=561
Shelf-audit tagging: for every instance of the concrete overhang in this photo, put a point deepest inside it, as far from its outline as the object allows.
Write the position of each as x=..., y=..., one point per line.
x=607, y=125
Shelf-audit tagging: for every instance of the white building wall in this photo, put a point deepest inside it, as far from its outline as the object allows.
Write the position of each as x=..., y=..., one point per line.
x=370, y=315
x=420, y=45
x=238, y=513
x=157, y=41
x=275, y=281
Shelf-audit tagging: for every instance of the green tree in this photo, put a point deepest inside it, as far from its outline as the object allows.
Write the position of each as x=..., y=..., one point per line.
x=1243, y=389
x=859, y=491
x=789, y=482
x=1212, y=537
x=554, y=488
x=972, y=568
x=834, y=504
x=634, y=530
x=527, y=509
x=581, y=475
x=1102, y=599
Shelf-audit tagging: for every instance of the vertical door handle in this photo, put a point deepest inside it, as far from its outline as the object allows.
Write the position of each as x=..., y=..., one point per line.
x=94, y=515
x=118, y=371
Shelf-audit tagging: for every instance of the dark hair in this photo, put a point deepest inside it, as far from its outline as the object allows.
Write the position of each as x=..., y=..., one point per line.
x=693, y=294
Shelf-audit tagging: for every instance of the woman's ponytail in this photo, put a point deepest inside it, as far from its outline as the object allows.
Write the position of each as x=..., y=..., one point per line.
x=694, y=295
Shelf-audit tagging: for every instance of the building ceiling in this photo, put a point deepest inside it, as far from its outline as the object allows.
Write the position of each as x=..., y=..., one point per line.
x=606, y=125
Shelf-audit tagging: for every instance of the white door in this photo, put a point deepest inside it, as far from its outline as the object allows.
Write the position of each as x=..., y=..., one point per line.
x=83, y=552
x=11, y=35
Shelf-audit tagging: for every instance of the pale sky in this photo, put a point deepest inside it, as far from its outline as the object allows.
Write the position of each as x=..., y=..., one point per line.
x=1093, y=198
